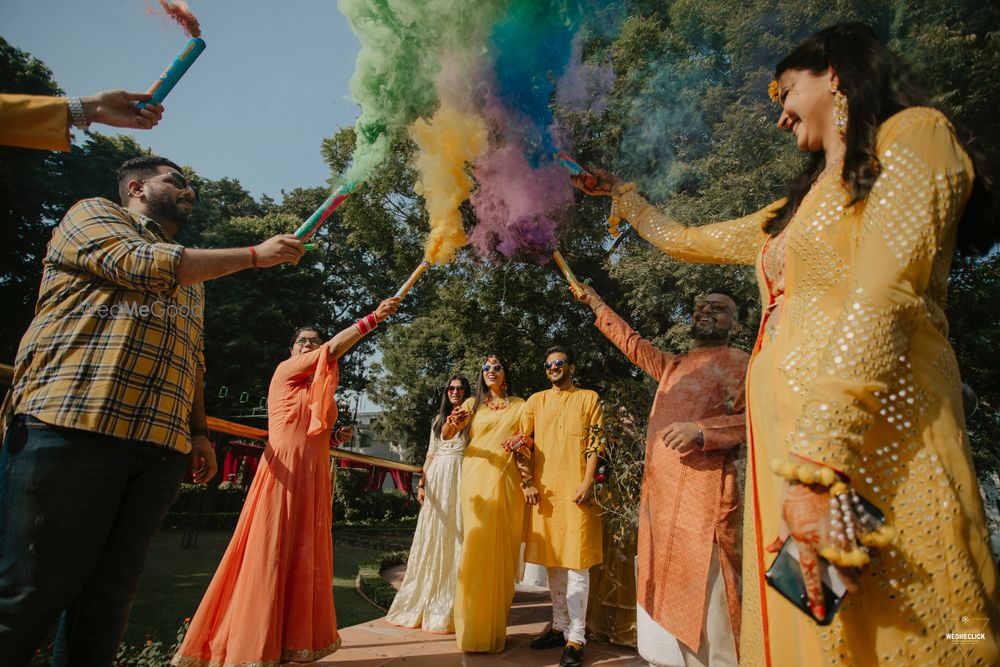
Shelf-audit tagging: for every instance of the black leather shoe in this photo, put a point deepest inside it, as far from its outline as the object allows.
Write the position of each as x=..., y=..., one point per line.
x=548, y=639
x=572, y=656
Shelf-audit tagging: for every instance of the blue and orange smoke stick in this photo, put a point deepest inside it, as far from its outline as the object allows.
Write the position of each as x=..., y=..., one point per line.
x=173, y=74
x=589, y=180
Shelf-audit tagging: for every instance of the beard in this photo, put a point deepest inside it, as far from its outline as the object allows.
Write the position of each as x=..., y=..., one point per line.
x=709, y=333
x=165, y=207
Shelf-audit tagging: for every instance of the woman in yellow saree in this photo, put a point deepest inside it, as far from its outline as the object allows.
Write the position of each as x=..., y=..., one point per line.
x=492, y=497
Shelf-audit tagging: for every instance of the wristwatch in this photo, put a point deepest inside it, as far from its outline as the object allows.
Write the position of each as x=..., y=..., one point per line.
x=76, y=114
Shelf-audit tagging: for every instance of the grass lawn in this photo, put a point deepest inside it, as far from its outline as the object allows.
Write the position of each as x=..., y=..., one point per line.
x=176, y=578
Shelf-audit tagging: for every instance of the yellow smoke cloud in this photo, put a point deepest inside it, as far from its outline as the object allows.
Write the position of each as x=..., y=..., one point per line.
x=447, y=142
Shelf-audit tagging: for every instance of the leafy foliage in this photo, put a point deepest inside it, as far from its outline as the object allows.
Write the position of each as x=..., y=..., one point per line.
x=688, y=119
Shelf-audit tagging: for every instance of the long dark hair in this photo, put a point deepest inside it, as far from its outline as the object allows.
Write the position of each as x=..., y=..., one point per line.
x=877, y=85
x=446, y=406
x=482, y=391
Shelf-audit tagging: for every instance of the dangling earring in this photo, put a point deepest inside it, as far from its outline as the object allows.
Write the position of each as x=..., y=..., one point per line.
x=839, y=109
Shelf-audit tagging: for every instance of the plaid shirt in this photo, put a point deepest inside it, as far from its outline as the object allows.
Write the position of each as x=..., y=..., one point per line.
x=115, y=342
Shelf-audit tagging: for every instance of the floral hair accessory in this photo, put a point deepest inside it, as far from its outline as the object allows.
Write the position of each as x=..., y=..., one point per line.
x=772, y=91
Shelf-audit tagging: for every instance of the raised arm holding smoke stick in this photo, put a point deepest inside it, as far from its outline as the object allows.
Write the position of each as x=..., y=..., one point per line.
x=695, y=426
x=116, y=293
x=270, y=599
x=43, y=122
x=852, y=391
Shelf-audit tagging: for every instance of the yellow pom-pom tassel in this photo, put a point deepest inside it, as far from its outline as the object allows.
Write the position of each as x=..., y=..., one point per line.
x=838, y=489
x=832, y=554
x=807, y=473
x=826, y=476
x=613, y=222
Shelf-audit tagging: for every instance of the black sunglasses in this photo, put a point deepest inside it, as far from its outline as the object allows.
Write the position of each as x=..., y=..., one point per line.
x=492, y=367
x=176, y=179
x=556, y=363
x=451, y=389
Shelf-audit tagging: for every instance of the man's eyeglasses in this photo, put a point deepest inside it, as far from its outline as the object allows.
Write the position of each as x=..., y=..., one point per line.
x=176, y=179
x=303, y=341
x=555, y=363
x=492, y=367
x=713, y=306
x=451, y=389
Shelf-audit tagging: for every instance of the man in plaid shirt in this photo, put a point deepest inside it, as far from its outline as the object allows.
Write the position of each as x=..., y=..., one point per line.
x=108, y=411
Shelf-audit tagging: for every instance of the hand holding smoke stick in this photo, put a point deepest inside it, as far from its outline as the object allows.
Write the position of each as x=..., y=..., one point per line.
x=319, y=216
x=574, y=168
x=567, y=272
x=408, y=285
x=598, y=183
x=179, y=12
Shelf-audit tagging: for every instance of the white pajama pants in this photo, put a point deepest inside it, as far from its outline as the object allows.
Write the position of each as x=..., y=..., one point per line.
x=718, y=643
x=570, y=590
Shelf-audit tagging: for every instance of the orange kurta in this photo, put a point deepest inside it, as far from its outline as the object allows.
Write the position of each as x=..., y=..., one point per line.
x=688, y=500
x=271, y=599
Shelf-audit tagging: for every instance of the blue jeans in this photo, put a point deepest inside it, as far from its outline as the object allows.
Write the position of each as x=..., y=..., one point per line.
x=78, y=511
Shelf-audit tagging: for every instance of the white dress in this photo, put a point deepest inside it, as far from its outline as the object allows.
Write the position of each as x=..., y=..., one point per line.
x=427, y=597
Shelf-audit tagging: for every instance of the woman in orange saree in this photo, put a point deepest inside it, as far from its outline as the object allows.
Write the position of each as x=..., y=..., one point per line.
x=271, y=599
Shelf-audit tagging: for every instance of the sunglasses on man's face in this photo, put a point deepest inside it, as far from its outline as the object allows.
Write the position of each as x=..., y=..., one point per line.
x=496, y=368
x=176, y=179
x=555, y=363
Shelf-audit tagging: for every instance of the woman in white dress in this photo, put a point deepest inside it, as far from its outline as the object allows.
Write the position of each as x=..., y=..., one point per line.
x=427, y=596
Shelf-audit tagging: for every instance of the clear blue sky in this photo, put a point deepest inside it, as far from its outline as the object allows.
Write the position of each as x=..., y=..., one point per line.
x=271, y=85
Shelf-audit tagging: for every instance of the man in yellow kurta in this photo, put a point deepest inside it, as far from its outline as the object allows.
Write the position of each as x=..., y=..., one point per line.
x=564, y=533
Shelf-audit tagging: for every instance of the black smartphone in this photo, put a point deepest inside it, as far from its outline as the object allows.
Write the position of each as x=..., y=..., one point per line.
x=785, y=576
x=785, y=573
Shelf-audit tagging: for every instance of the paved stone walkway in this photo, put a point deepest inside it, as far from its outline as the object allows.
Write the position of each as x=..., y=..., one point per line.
x=378, y=644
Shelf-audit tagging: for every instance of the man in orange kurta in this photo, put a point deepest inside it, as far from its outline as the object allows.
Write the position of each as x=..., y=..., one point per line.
x=688, y=577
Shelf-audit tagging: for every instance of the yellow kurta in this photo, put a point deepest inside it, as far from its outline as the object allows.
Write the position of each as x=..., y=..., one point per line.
x=34, y=121
x=492, y=527
x=853, y=369
x=562, y=533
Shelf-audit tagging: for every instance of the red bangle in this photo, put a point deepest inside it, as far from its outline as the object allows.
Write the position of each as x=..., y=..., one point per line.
x=253, y=256
x=366, y=324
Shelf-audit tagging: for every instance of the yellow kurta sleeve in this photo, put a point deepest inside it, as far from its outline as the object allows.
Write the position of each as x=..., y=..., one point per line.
x=34, y=121
x=731, y=242
x=907, y=228
x=527, y=422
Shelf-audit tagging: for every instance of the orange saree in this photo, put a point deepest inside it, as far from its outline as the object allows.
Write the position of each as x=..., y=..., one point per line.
x=271, y=599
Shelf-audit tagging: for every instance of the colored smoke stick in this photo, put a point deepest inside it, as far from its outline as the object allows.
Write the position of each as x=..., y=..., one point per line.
x=574, y=168
x=173, y=74
x=567, y=272
x=408, y=285
x=179, y=11
x=332, y=203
